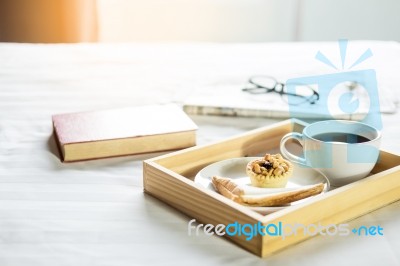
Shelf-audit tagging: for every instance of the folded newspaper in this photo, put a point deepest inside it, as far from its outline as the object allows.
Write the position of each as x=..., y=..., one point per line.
x=230, y=100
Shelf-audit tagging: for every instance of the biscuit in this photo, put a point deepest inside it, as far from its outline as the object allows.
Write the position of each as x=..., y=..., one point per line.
x=232, y=191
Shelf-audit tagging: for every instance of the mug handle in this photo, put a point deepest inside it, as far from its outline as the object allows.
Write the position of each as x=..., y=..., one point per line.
x=286, y=153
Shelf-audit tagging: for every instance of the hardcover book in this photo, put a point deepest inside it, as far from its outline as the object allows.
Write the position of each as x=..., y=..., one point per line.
x=119, y=132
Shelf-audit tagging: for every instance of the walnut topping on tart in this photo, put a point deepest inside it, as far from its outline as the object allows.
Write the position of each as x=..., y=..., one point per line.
x=271, y=171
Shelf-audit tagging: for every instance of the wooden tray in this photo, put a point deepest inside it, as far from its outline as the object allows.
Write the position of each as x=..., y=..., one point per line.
x=170, y=179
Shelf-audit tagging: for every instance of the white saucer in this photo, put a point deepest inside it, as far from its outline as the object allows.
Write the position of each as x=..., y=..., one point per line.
x=235, y=169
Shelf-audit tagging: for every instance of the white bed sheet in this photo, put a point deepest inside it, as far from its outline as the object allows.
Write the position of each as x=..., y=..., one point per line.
x=95, y=213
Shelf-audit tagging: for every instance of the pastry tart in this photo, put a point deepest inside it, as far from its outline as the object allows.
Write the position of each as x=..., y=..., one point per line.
x=272, y=171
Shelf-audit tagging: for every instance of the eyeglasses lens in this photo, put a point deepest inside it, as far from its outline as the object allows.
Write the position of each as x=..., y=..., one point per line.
x=302, y=94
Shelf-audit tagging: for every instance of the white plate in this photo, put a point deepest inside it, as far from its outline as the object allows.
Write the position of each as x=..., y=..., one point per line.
x=235, y=169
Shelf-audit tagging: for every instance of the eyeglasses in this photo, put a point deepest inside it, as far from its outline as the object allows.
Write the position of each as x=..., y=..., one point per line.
x=266, y=84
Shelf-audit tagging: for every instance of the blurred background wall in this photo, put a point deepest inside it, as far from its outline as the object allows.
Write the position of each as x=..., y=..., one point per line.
x=48, y=21
x=198, y=20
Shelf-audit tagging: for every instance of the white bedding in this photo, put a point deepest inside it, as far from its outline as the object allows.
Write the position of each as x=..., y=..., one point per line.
x=95, y=213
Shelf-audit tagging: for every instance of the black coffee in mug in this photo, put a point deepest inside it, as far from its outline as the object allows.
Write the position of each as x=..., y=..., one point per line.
x=341, y=137
x=344, y=151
